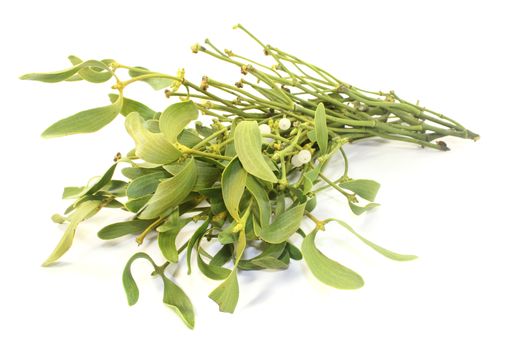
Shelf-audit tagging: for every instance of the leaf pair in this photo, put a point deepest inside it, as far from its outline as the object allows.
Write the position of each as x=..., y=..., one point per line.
x=366, y=189
x=159, y=147
x=333, y=273
x=58, y=76
x=174, y=296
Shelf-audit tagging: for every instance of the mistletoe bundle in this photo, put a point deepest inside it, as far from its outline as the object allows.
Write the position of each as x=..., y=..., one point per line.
x=248, y=178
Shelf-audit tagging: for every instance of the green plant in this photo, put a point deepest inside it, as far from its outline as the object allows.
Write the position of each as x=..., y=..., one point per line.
x=248, y=178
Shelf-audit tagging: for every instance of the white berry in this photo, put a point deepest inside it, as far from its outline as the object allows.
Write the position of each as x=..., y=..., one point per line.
x=265, y=129
x=284, y=124
x=304, y=156
x=296, y=162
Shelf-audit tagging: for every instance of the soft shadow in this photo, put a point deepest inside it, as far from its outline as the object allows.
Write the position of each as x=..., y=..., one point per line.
x=281, y=278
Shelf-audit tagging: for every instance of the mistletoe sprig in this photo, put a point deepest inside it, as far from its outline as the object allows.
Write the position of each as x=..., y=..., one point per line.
x=248, y=178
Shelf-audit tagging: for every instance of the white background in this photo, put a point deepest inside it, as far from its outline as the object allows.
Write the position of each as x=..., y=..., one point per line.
x=461, y=212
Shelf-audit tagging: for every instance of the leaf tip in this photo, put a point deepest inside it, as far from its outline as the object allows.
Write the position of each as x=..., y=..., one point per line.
x=410, y=257
x=48, y=262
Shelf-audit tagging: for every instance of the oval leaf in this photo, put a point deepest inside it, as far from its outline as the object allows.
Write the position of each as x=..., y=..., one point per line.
x=366, y=189
x=233, y=184
x=145, y=184
x=248, y=143
x=155, y=83
x=175, y=118
x=327, y=270
x=136, y=204
x=358, y=210
x=87, y=121
x=152, y=147
x=284, y=225
x=123, y=228
x=171, y=192
x=129, y=106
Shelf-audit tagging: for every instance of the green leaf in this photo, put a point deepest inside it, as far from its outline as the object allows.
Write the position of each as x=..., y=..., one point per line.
x=358, y=210
x=155, y=83
x=203, y=130
x=207, y=174
x=152, y=125
x=321, y=129
x=311, y=203
x=175, y=297
x=327, y=270
x=388, y=253
x=145, y=184
x=233, y=183
x=95, y=184
x=91, y=74
x=130, y=286
x=227, y=235
x=366, y=189
x=57, y=76
x=58, y=219
x=123, y=228
x=223, y=255
x=267, y=259
x=136, y=204
x=72, y=192
x=194, y=239
x=226, y=295
x=284, y=225
x=171, y=192
x=115, y=187
x=310, y=178
x=130, y=106
x=214, y=272
x=174, y=222
x=295, y=253
x=167, y=238
x=103, y=181
x=82, y=212
x=260, y=195
x=152, y=147
x=87, y=121
x=248, y=143
x=167, y=243
x=280, y=204
x=175, y=118
x=74, y=61
x=189, y=138
x=134, y=172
